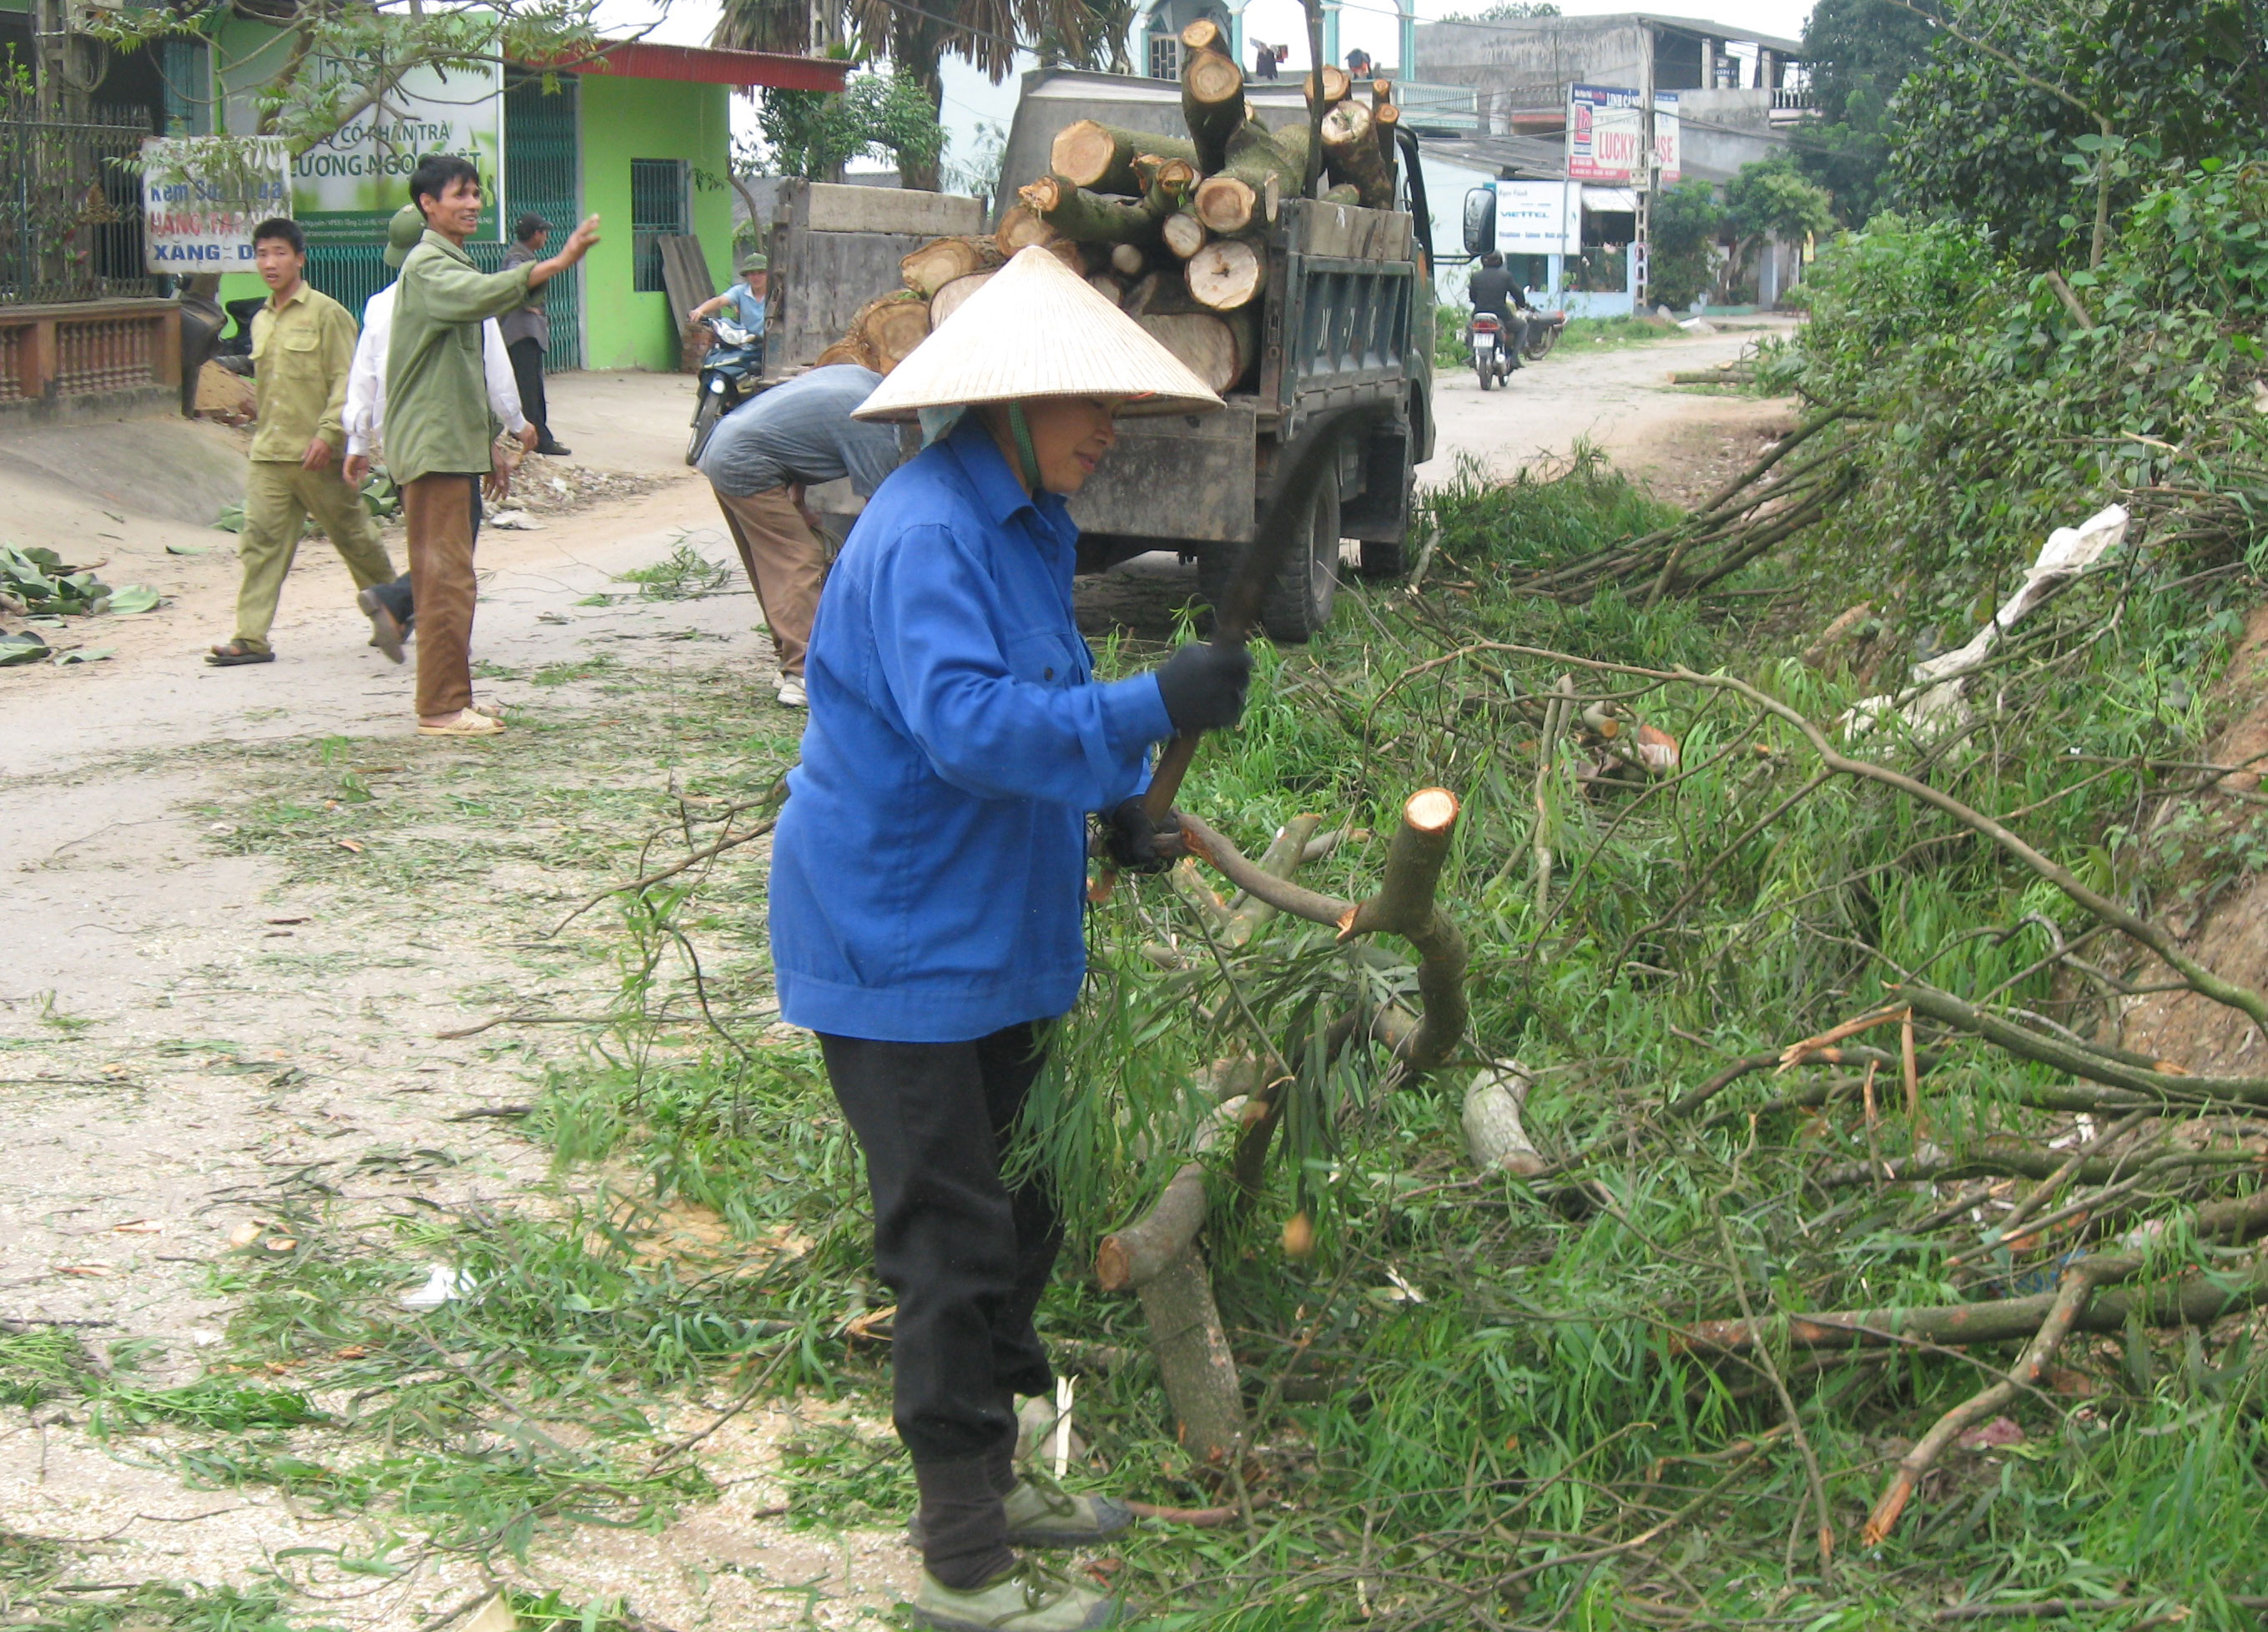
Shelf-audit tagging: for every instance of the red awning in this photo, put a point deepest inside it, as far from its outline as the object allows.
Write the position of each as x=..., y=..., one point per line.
x=644, y=58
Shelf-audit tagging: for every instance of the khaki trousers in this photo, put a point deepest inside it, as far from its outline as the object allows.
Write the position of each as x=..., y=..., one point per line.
x=438, y=510
x=278, y=498
x=786, y=563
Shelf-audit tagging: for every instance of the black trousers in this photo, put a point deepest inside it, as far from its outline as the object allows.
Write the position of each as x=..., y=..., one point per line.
x=528, y=374
x=966, y=1256
x=397, y=597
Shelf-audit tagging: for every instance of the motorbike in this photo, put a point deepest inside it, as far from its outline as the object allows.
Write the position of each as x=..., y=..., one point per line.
x=1492, y=357
x=1543, y=333
x=728, y=378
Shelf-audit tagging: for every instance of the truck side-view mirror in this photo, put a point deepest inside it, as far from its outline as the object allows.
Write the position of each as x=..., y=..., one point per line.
x=1480, y=220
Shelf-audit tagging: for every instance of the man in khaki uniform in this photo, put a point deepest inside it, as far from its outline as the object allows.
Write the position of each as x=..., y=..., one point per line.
x=302, y=343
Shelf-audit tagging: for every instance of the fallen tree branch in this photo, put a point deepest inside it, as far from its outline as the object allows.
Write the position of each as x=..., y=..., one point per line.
x=2083, y=1060
x=2070, y=1298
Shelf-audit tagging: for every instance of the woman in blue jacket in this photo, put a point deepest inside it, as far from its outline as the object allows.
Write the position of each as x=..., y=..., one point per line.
x=928, y=878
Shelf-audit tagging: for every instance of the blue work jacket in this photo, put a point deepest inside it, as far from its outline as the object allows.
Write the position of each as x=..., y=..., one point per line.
x=928, y=871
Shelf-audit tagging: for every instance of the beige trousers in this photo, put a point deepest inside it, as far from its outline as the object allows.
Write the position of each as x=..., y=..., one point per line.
x=278, y=498
x=786, y=563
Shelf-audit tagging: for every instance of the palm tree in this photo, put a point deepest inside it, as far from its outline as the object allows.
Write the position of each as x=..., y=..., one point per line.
x=917, y=36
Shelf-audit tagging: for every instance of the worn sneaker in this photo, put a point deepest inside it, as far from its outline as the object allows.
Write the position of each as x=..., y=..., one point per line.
x=1042, y=1513
x=1030, y=1597
x=386, y=633
x=791, y=695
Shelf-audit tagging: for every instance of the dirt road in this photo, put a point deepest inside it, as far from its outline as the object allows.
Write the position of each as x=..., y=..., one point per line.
x=277, y=971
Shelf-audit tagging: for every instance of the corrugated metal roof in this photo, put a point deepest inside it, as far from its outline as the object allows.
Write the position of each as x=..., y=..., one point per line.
x=644, y=59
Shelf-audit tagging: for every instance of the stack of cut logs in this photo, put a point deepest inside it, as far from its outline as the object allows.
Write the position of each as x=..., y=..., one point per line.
x=1168, y=227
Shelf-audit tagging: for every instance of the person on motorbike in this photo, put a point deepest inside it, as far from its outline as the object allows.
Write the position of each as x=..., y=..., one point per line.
x=744, y=298
x=1495, y=291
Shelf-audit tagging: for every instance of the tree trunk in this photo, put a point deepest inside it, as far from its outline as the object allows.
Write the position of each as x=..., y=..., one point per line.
x=1218, y=346
x=947, y=300
x=1226, y=274
x=1090, y=217
x=1213, y=105
x=1099, y=157
x=1351, y=151
x=1193, y=1355
x=1494, y=1135
x=937, y=263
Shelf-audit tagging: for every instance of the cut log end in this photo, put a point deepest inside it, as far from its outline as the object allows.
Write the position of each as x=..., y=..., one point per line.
x=1185, y=235
x=1225, y=204
x=1114, y=1266
x=1213, y=79
x=1335, y=86
x=1127, y=260
x=1299, y=1236
x=1201, y=35
x=948, y=300
x=1082, y=153
x=1226, y=274
x=1431, y=810
x=1021, y=228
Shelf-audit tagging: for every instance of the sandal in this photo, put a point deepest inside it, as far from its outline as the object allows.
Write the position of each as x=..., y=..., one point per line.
x=468, y=724
x=232, y=654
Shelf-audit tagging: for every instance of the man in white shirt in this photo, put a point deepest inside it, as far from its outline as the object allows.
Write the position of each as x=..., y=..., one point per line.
x=390, y=606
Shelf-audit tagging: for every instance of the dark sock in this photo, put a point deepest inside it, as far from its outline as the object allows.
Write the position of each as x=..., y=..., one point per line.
x=964, y=1527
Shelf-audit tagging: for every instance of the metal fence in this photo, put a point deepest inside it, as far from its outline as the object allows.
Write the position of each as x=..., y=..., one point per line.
x=350, y=274
x=70, y=204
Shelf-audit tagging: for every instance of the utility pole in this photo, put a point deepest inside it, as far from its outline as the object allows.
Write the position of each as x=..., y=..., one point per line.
x=1642, y=180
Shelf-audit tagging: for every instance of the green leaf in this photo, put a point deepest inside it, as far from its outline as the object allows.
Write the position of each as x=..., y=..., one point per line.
x=134, y=598
x=187, y=549
x=83, y=654
x=21, y=648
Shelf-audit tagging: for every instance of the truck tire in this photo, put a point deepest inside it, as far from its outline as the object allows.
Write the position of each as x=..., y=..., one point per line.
x=1298, y=603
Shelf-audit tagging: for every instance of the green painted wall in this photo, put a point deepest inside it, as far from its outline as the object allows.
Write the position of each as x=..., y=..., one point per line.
x=627, y=119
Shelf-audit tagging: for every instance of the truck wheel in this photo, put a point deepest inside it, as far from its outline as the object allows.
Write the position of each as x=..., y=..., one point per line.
x=705, y=421
x=1298, y=603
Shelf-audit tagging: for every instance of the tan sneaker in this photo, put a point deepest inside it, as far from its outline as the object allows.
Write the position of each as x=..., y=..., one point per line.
x=1042, y=1513
x=1030, y=1597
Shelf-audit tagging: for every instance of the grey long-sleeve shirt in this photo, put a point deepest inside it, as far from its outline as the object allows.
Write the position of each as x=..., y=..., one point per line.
x=803, y=431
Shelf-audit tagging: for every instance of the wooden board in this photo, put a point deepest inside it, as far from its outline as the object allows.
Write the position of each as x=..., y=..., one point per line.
x=819, y=280
x=1346, y=232
x=685, y=277
x=831, y=207
x=1175, y=476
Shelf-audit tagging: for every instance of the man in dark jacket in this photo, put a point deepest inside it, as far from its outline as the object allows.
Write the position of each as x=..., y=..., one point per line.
x=527, y=336
x=1496, y=290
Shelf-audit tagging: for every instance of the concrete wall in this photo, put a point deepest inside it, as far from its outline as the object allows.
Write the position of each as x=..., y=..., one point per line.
x=1529, y=65
x=627, y=119
x=1720, y=131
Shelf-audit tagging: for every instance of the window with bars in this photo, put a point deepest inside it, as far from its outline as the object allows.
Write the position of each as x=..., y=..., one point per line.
x=658, y=210
x=1165, y=57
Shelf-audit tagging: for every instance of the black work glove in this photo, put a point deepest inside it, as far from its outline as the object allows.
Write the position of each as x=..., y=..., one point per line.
x=1202, y=684
x=1135, y=843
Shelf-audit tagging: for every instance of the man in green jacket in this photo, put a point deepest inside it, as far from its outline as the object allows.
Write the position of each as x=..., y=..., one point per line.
x=440, y=440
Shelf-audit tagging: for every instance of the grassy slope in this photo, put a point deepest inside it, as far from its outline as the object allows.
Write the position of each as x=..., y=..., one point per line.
x=1472, y=1412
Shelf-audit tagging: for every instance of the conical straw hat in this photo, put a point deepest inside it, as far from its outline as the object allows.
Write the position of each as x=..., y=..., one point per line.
x=1036, y=329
